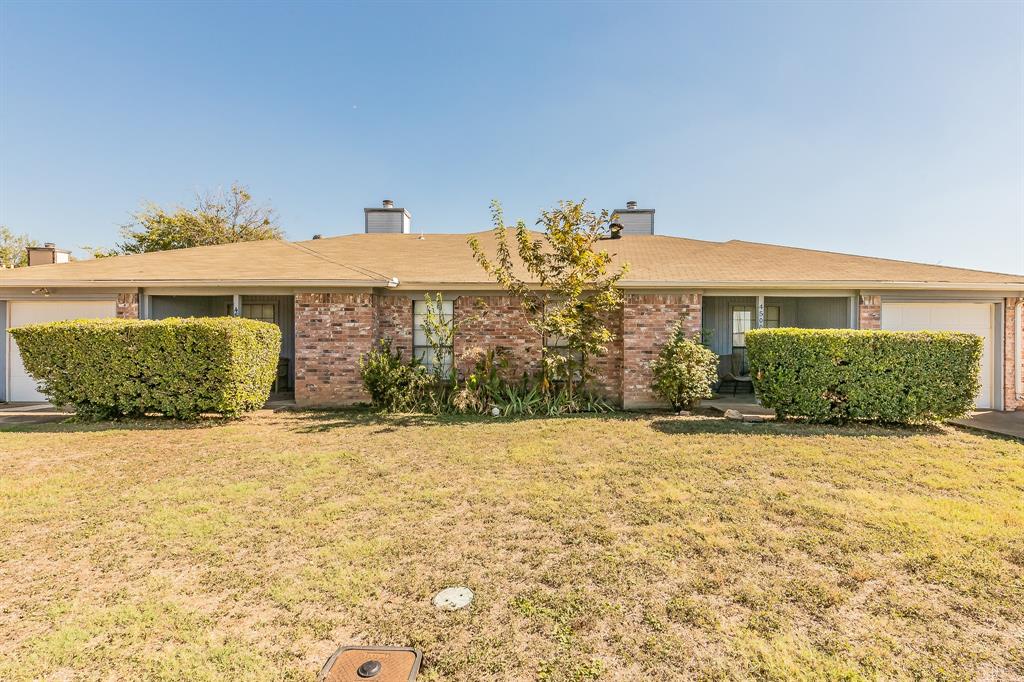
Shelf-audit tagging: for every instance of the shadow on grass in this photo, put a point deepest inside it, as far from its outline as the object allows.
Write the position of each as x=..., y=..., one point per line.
x=718, y=425
x=74, y=425
x=309, y=421
x=318, y=422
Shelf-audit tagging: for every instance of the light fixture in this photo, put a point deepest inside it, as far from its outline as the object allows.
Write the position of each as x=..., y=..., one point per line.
x=41, y=290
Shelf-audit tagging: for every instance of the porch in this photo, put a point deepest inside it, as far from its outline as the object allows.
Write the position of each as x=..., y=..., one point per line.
x=725, y=320
x=279, y=310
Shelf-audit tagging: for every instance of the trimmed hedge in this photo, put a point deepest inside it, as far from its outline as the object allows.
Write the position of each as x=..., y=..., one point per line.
x=836, y=375
x=179, y=367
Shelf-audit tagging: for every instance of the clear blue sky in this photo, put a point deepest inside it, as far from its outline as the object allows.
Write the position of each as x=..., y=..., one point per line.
x=884, y=129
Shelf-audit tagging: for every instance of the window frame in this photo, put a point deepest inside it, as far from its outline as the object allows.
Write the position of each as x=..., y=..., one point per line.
x=273, y=307
x=424, y=351
x=749, y=309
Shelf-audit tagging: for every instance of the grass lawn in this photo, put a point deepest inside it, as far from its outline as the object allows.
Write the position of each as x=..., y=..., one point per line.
x=619, y=548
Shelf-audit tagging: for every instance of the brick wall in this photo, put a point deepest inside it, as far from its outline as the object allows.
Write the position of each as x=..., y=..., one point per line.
x=127, y=306
x=394, y=321
x=870, y=312
x=495, y=322
x=1010, y=400
x=647, y=321
x=331, y=332
x=607, y=368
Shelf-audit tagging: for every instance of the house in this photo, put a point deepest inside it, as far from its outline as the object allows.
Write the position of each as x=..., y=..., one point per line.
x=335, y=297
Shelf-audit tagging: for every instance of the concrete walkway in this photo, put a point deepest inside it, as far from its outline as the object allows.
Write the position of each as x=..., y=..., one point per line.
x=30, y=413
x=745, y=405
x=1002, y=423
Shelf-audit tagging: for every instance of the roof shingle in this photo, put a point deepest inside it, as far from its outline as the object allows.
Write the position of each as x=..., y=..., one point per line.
x=420, y=261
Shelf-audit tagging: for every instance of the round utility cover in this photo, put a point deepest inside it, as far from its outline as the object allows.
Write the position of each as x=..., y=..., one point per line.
x=453, y=598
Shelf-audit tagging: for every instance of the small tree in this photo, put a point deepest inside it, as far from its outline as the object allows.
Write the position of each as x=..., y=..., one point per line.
x=224, y=218
x=684, y=371
x=568, y=292
x=439, y=330
x=14, y=248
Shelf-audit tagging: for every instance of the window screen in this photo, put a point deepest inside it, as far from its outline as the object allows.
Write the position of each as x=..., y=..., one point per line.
x=742, y=322
x=421, y=348
x=264, y=312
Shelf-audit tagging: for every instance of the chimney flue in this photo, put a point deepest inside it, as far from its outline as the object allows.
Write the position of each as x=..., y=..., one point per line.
x=633, y=220
x=387, y=218
x=47, y=254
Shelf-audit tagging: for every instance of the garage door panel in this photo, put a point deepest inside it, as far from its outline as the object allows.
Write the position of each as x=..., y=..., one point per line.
x=21, y=386
x=972, y=318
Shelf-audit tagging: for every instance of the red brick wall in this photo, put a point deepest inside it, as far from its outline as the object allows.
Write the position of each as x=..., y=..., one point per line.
x=870, y=312
x=487, y=322
x=607, y=368
x=394, y=321
x=647, y=321
x=128, y=306
x=331, y=332
x=1010, y=400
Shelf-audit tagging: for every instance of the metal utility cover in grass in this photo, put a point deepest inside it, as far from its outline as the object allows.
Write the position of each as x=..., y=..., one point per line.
x=376, y=664
x=453, y=598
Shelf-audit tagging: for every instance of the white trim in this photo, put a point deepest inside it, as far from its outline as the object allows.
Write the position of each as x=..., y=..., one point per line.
x=311, y=284
x=232, y=284
x=757, y=286
x=5, y=370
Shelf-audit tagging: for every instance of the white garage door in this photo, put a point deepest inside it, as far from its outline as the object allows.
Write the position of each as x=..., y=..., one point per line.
x=974, y=318
x=20, y=386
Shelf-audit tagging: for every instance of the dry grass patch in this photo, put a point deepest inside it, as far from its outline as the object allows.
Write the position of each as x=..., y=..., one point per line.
x=599, y=548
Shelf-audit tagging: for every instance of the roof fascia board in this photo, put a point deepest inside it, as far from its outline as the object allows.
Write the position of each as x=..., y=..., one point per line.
x=932, y=295
x=209, y=284
x=760, y=287
x=842, y=285
x=782, y=293
x=1010, y=287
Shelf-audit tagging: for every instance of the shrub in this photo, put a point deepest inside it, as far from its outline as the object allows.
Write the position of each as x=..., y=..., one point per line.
x=835, y=375
x=684, y=371
x=393, y=384
x=176, y=367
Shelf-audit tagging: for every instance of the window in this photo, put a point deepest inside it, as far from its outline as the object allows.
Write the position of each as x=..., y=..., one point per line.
x=421, y=347
x=742, y=322
x=772, y=317
x=264, y=312
x=558, y=346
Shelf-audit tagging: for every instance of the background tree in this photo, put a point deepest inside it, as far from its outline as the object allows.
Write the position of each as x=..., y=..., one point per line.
x=569, y=292
x=218, y=218
x=13, y=253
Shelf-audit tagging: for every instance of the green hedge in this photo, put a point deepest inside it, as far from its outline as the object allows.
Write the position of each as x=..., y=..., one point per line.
x=835, y=375
x=179, y=367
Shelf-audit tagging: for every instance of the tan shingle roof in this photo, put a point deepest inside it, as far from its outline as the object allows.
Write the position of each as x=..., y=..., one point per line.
x=265, y=261
x=439, y=259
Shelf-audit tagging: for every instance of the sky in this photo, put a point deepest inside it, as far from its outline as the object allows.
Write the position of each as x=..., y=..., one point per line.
x=884, y=129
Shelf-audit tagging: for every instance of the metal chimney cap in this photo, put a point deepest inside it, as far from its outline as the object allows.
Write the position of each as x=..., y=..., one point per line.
x=630, y=204
x=387, y=203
